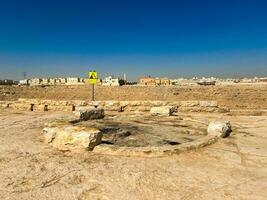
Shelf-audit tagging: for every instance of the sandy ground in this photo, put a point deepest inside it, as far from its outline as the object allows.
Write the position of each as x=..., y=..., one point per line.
x=234, y=168
x=253, y=96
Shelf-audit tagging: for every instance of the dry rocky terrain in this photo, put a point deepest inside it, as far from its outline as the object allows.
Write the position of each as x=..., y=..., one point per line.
x=232, y=168
x=233, y=96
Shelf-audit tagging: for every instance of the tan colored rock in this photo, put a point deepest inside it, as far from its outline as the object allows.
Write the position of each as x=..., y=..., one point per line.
x=112, y=103
x=78, y=103
x=81, y=108
x=162, y=110
x=137, y=108
x=49, y=134
x=219, y=128
x=90, y=114
x=208, y=103
x=124, y=103
x=173, y=103
x=135, y=103
x=189, y=103
x=68, y=137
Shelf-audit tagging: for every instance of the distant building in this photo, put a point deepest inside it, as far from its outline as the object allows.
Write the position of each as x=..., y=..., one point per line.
x=52, y=81
x=149, y=81
x=35, y=81
x=24, y=82
x=111, y=81
x=73, y=80
x=164, y=81
x=264, y=79
x=7, y=82
x=82, y=80
x=45, y=81
x=61, y=80
x=57, y=81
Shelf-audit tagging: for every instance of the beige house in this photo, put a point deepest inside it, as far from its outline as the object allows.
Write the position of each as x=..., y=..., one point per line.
x=149, y=81
x=165, y=81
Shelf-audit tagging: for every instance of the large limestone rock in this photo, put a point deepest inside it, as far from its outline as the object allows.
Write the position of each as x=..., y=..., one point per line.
x=162, y=110
x=69, y=137
x=90, y=114
x=219, y=128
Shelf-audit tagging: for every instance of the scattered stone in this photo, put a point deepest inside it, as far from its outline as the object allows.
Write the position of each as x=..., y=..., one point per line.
x=162, y=110
x=219, y=128
x=90, y=114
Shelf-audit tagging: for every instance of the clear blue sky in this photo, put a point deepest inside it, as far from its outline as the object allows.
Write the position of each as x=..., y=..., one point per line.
x=179, y=38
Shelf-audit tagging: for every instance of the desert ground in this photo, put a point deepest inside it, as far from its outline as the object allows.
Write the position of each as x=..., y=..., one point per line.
x=238, y=96
x=232, y=168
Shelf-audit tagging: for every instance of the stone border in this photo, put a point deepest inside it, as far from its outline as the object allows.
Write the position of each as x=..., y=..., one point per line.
x=64, y=129
x=155, y=151
x=119, y=106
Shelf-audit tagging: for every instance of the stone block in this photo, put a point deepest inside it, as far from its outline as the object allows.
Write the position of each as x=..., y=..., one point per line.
x=68, y=136
x=90, y=114
x=219, y=128
x=162, y=110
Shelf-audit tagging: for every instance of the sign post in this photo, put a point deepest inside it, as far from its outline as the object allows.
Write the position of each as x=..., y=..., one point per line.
x=93, y=77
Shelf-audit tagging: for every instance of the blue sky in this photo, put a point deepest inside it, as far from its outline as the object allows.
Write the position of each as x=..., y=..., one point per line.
x=159, y=38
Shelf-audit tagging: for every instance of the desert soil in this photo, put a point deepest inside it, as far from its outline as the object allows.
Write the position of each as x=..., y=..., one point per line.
x=253, y=96
x=233, y=168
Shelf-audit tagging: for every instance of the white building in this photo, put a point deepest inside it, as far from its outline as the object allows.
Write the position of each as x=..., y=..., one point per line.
x=61, y=81
x=24, y=82
x=35, y=81
x=111, y=81
x=73, y=80
x=45, y=81
x=52, y=81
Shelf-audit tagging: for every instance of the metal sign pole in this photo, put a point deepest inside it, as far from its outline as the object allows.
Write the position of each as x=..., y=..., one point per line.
x=93, y=92
x=93, y=80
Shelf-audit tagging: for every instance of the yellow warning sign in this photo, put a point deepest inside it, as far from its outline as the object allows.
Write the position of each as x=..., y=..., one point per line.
x=93, y=77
